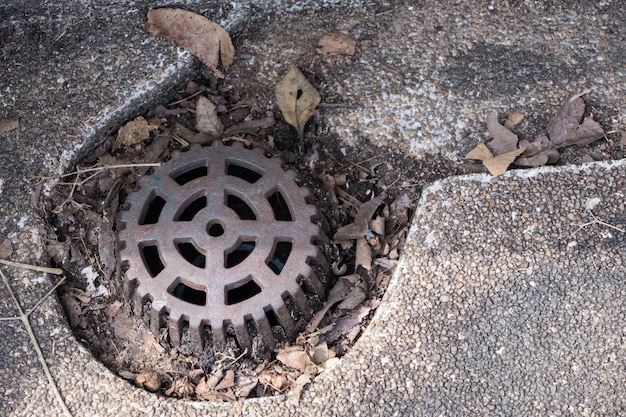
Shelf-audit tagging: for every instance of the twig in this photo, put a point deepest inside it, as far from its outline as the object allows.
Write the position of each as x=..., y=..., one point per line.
x=54, y=271
x=596, y=220
x=23, y=317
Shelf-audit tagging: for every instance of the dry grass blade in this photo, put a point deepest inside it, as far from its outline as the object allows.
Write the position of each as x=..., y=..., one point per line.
x=23, y=317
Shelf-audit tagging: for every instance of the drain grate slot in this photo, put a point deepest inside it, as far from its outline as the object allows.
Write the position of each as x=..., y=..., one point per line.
x=151, y=259
x=190, y=210
x=239, y=254
x=279, y=256
x=152, y=210
x=184, y=292
x=222, y=247
x=242, y=172
x=242, y=292
x=189, y=173
x=279, y=207
x=243, y=210
x=191, y=254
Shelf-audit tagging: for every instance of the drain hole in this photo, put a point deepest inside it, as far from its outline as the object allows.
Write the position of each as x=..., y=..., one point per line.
x=186, y=293
x=153, y=211
x=241, y=252
x=244, y=173
x=271, y=318
x=191, y=254
x=242, y=292
x=151, y=259
x=243, y=210
x=189, y=175
x=215, y=229
x=279, y=258
x=279, y=207
x=191, y=210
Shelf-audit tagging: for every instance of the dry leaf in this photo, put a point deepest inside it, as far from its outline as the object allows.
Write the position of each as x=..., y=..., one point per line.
x=499, y=164
x=296, y=358
x=6, y=250
x=547, y=157
x=320, y=354
x=6, y=125
x=274, y=380
x=297, y=99
x=133, y=132
x=540, y=144
x=228, y=381
x=207, y=120
x=339, y=291
x=513, y=119
x=336, y=43
x=503, y=139
x=297, y=389
x=565, y=130
x=205, y=39
x=150, y=381
x=480, y=152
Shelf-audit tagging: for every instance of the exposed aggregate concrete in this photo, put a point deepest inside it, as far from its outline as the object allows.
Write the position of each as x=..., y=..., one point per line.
x=500, y=306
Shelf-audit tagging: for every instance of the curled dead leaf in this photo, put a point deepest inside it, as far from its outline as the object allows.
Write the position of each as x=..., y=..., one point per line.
x=513, y=119
x=336, y=43
x=298, y=386
x=503, y=139
x=297, y=99
x=205, y=39
x=207, y=120
x=134, y=132
x=150, y=381
x=499, y=164
x=296, y=358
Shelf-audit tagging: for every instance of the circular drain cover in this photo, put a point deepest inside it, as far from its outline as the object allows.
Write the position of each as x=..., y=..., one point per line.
x=219, y=236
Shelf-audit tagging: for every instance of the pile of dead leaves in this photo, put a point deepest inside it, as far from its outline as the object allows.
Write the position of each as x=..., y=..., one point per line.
x=565, y=129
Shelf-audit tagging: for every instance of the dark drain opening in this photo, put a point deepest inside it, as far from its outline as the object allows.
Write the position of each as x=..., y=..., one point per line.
x=271, y=318
x=215, y=229
x=239, y=254
x=190, y=211
x=153, y=210
x=243, y=210
x=242, y=172
x=191, y=254
x=151, y=259
x=242, y=292
x=189, y=173
x=279, y=257
x=186, y=293
x=279, y=207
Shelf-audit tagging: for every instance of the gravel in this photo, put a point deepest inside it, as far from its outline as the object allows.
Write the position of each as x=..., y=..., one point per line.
x=502, y=304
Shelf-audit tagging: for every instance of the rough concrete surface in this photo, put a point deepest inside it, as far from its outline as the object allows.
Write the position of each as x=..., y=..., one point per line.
x=500, y=306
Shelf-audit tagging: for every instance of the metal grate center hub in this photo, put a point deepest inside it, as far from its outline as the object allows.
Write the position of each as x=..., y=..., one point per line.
x=218, y=236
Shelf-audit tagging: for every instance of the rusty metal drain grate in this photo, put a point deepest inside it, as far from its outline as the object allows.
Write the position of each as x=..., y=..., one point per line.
x=221, y=237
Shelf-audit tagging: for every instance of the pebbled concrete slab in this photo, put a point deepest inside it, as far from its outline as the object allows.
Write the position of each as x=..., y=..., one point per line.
x=500, y=306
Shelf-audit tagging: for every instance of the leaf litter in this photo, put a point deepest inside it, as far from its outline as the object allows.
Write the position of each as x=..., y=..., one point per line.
x=567, y=128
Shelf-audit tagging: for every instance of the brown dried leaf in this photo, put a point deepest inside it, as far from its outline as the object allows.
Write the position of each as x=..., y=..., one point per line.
x=6, y=250
x=499, y=164
x=540, y=159
x=504, y=140
x=228, y=381
x=297, y=99
x=565, y=130
x=336, y=43
x=6, y=125
x=513, y=119
x=273, y=379
x=150, y=381
x=540, y=144
x=480, y=152
x=207, y=120
x=298, y=386
x=133, y=132
x=207, y=40
x=295, y=357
